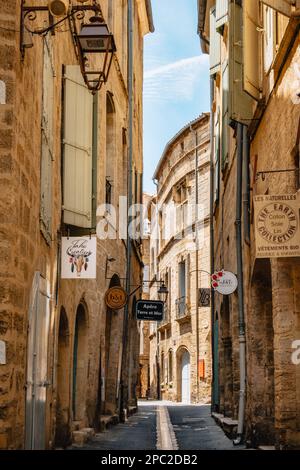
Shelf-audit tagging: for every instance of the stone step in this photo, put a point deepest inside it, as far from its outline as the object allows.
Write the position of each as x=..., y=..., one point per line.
x=79, y=438
x=108, y=420
x=229, y=425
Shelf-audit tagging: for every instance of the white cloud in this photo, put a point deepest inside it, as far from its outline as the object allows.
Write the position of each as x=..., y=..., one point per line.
x=174, y=81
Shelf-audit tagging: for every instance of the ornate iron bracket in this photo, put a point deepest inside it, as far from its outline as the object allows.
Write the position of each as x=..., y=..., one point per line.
x=30, y=14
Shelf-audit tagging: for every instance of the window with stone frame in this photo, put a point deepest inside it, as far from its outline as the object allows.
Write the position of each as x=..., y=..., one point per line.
x=180, y=197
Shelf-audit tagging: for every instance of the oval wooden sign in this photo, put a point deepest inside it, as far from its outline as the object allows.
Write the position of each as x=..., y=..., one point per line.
x=116, y=297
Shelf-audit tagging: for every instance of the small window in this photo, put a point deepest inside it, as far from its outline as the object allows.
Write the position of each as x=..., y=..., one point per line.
x=182, y=146
x=108, y=192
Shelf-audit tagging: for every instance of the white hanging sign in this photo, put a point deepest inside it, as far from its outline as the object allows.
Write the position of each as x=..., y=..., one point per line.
x=224, y=282
x=78, y=257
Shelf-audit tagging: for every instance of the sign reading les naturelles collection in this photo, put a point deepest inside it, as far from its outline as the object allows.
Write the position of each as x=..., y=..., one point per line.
x=277, y=230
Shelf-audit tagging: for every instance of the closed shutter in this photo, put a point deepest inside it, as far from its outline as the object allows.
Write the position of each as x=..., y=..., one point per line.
x=215, y=44
x=221, y=13
x=252, y=48
x=78, y=141
x=47, y=142
x=269, y=37
x=282, y=6
x=187, y=278
x=225, y=113
x=240, y=103
x=217, y=159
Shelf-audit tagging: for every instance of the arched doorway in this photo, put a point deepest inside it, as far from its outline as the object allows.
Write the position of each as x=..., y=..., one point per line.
x=113, y=355
x=79, y=364
x=184, y=376
x=62, y=431
x=261, y=356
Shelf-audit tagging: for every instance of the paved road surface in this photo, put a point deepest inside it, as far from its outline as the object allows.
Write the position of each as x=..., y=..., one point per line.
x=167, y=426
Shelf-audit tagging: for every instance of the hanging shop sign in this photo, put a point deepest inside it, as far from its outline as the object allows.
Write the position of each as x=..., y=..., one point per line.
x=151, y=310
x=204, y=297
x=224, y=282
x=116, y=298
x=78, y=257
x=277, y=226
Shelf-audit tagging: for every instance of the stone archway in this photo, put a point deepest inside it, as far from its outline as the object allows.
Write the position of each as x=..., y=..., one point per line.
x=113, y=350
x=62, y=430
x=183, y=375
x=79, y=364
x=260, y=421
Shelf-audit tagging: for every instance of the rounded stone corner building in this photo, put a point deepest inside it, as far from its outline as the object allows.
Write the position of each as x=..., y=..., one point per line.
x=180, y=345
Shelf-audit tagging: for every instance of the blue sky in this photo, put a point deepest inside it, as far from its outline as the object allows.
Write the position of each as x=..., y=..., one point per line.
x=176, y=74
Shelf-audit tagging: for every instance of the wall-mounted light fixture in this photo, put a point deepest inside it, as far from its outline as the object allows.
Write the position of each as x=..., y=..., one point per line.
x=94, y=44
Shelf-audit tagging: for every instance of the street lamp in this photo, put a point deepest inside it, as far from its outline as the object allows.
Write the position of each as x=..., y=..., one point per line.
x=94, y=44
x=162, y=292
x=97, y=46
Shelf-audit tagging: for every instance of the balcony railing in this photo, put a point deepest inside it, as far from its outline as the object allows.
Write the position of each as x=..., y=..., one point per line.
x=182, y=309
x=166, y=321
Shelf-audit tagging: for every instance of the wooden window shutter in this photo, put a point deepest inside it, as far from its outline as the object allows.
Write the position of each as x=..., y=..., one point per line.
x=241, y=105
x=252, y=48
x=217, y=160
x=78, y=143
x=215, y=44
x=221, y=13
x=285, y=7
x=47, y=142
x=225, y=113
x=268, y=37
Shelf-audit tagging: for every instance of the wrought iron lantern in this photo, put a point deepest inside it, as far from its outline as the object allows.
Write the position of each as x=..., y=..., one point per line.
x=97, y=46
x=94, y=44
x=163, y=291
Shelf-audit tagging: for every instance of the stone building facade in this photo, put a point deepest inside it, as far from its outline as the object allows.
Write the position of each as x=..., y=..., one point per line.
x=144, y=377
x=180, y=345
x=58, y=338
x=254, y=67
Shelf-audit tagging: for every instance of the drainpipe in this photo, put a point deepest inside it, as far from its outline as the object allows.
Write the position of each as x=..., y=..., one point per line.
x=212, y=245
x=156, y=266
x=123, y=399
x=197, y=255
x=239, y=255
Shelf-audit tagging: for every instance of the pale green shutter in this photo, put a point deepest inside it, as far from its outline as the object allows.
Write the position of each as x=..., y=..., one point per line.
x=240, y=103
x=78, y=142
x=215, y=44
x=47, y=143
x=221, y=13
x=252, y=48
x=282, y=6
x=225, y=113
x=217, y=159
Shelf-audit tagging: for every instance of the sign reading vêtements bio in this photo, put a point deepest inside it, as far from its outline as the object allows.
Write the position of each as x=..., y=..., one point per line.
x=151, y=310
x=277, y=225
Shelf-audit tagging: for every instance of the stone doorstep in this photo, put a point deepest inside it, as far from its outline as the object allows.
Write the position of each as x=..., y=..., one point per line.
x=132, y=410
x=227, y=424
x=81, y=437
x=108, y=420
x=266, y=448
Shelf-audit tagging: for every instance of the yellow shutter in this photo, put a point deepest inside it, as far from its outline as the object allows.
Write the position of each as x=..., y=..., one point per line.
x=252, y=48
x=240, y=103
x=78, y=142
x=282, y=6
x=215, y=44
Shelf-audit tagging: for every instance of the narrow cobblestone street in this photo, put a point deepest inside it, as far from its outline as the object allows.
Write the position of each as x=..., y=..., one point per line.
x=189, y=427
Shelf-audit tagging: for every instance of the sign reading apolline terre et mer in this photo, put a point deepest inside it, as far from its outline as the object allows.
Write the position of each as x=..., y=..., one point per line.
x=78, y=257
x=277, y=226
x=149, y=310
